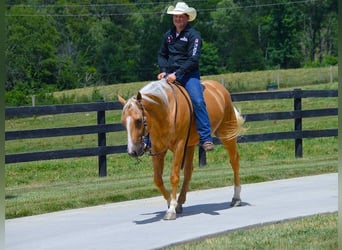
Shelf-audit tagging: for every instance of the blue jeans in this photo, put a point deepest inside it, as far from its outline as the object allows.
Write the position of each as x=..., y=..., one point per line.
x=191, y=82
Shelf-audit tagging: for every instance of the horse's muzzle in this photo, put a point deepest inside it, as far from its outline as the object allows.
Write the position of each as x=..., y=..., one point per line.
x=136, y=154
x=136, y=151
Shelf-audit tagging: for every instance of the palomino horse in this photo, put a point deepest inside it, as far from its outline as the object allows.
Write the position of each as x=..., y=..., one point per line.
x=164, y=111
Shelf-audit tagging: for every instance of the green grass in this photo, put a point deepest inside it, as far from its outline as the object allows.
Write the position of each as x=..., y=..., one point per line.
x=46, y=186
x=40, y=187
x=314, y=232
x=234, y=82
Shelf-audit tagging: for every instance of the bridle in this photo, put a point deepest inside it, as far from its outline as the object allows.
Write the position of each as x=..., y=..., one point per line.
x=145, y=129
x=144, y=120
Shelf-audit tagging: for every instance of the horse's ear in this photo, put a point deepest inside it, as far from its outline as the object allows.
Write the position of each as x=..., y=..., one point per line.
x=139, y=96
x=123, y=101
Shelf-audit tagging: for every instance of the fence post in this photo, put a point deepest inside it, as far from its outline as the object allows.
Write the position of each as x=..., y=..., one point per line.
x=202, y=157
x=297, y=94
x=101, y=143
x=33, y=98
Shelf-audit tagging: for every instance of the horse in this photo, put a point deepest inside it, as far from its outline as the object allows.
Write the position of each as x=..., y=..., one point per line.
x=164, y=111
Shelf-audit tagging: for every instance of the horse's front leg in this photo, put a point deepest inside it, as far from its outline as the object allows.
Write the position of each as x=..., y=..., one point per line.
x=188, y=169
x=158, y=168
x=174, y=179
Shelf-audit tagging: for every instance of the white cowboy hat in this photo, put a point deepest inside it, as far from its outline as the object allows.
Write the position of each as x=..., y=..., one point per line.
x=182, y=8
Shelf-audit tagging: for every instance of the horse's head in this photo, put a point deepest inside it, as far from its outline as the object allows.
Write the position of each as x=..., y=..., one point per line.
x=134, y=120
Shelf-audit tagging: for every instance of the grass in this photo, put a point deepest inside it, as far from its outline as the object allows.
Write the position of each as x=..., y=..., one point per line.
x=235, y=82
x=46, y=186
x=41, y=187
x=314, y=232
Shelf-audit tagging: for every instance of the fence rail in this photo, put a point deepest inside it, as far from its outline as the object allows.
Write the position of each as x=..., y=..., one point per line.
x=101, y=128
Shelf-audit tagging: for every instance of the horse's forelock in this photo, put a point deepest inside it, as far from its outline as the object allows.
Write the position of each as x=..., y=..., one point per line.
x=131, y=103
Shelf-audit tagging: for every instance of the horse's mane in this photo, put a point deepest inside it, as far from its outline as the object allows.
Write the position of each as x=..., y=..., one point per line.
x=157, y=89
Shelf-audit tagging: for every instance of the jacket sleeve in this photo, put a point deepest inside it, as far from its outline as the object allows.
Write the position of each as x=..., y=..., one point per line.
x=163, y=55
x=194, y=51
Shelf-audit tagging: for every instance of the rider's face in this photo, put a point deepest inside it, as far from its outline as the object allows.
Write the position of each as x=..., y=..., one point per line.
x=180, y=21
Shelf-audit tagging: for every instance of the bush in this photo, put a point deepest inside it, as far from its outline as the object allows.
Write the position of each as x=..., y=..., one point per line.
x=16, y=97
x=330, y=60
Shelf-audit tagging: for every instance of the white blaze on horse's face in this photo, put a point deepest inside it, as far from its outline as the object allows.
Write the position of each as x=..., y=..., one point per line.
x=133, y=121
x=129, y=138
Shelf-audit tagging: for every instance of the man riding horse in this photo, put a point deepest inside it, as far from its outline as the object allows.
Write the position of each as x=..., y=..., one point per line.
x=178, y=60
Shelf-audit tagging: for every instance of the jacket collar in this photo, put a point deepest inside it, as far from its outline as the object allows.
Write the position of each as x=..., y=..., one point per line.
x=187, y=27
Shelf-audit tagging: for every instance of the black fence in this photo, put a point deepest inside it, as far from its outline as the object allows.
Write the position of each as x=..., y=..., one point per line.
x=101, y=128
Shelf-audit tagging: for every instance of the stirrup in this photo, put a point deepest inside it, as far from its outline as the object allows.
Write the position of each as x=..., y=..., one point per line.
x=146, y=148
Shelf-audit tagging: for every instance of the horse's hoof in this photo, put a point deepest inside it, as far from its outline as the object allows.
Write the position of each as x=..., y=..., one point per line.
x=235, y=202
x=170, y=216
x=179, y=209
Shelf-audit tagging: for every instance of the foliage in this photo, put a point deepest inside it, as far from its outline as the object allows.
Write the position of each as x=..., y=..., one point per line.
x=210, y=61
x=62, y=44
x=234, y=82
x=32, y=49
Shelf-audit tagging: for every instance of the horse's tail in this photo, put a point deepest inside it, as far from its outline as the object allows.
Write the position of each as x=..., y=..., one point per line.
x=240, y=122
x=231, y=128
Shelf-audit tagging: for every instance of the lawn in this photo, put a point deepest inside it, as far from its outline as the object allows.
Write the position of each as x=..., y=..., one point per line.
x=314, y=232
x=45, y=186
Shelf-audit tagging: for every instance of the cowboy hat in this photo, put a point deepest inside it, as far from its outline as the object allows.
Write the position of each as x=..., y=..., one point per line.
x=182, y=8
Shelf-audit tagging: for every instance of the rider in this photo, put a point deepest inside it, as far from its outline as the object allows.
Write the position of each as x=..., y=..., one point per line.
x=178, y=60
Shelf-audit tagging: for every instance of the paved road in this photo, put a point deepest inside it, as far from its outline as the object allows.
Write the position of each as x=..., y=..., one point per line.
x=138, y=224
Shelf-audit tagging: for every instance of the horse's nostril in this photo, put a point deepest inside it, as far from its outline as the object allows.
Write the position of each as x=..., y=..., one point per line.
x=134, y=154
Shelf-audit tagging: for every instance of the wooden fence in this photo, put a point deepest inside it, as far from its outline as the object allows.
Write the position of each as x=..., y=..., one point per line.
x=101, y=128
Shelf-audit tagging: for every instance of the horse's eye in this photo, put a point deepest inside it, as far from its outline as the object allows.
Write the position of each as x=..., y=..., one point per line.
x=138, y=123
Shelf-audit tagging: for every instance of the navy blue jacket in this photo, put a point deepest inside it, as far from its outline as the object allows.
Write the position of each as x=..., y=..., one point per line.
x=180, y=54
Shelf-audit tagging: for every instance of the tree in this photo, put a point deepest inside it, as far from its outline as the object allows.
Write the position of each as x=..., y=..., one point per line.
x=280, y=35
x=209, y=60
x=236, y=38
x=32, y=46
x=63, y=44
x=319, y=31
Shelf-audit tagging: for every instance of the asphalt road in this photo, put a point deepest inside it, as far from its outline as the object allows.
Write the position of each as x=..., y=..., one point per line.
x=139, y=224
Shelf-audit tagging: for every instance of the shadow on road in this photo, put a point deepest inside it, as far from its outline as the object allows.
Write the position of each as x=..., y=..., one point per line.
x=211, y=209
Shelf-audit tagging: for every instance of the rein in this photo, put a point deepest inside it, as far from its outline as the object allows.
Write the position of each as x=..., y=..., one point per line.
x=181, y=89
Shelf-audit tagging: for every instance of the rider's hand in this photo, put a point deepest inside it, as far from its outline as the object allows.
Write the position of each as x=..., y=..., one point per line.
x=161, y=75
x=171, y=78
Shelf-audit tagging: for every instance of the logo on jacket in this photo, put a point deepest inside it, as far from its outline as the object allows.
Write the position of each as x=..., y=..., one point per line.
x=169, y=39
x=194, y=51
x=185, y=39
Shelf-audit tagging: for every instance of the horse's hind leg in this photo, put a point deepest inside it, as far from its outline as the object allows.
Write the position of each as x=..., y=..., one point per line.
x=188, y=169
x=232, y=148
